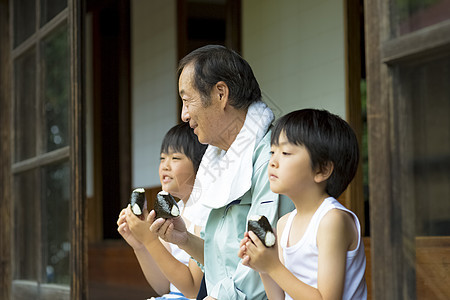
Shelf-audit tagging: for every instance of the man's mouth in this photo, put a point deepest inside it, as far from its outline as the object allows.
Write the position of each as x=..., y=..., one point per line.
x=193, y=125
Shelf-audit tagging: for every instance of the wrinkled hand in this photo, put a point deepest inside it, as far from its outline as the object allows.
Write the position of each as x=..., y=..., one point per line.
x=140, y=227
x=171, y=230
x=257, y=256
x=125, y=232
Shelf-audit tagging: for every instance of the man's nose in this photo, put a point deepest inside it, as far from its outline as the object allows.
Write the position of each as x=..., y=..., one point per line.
x=185, y=114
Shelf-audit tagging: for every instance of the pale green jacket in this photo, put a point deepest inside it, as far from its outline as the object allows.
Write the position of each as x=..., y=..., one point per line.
x=226, y=277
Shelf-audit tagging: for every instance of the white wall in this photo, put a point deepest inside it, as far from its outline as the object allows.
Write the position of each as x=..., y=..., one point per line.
x=296, y=50
x=154, y=86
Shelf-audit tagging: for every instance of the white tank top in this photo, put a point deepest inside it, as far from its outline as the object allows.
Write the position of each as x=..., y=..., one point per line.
x=301, y=259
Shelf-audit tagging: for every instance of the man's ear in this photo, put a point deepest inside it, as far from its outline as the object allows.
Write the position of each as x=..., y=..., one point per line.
x=324, y=172
x=222, y=91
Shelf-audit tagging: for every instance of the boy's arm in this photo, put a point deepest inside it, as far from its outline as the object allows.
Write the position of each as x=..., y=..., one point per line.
x=335, y=236
x=256, y=256
x=175, y=271
x=273, y=290
x=152, y=274
x=186, y=278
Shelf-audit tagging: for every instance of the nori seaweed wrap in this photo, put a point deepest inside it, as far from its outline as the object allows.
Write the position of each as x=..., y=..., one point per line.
x=261, y=227
x=165, y=206
x=138, y=202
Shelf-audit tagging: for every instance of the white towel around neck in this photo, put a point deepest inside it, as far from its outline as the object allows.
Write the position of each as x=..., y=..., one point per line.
x=224, y=176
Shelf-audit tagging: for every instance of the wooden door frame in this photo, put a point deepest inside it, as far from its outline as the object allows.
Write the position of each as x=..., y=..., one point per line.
x=394, y=277
x=353, y=197
x=78, y=263
x=5, y=154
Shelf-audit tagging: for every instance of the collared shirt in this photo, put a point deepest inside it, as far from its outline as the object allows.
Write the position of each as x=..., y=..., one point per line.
x=226, y=277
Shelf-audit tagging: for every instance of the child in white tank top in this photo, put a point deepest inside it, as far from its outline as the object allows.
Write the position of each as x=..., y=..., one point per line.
x=319, y=252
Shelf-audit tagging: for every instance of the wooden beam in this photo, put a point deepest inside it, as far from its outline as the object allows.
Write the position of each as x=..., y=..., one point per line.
x=78, y=250
x=383, y=281
x=5, y=154
x=353, y=197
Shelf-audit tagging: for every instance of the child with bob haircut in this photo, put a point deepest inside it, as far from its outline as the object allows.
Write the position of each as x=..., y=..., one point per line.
x=319, y=252
x=167, y=268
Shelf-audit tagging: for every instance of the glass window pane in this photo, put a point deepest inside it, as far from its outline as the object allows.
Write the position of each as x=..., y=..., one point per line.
x=25, y=106
x=26, y=231
x=55, y=89
x=429, y=90
x=56, y=222
x=24, y=20
x=412, y=15
x=50, y=8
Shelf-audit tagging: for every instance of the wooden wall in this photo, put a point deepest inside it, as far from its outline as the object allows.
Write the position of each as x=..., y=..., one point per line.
x=114, y=273
x=113, y=270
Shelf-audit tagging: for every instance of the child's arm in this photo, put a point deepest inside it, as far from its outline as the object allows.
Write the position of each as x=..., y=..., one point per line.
x=273, y=290
x=186, y=278
x=336, y=235
x=153, y=275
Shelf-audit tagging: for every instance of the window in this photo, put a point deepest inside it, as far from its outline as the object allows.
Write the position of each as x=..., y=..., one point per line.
x=42, y=98
x=408, y=71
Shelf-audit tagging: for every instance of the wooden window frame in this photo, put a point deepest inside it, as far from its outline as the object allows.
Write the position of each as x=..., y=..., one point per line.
x=73, y=15
x=5, y=154
x=393, y=275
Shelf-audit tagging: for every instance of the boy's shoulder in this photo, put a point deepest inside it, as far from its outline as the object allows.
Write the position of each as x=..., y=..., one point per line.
x=282, y=221
x=336, y=217
x=339, y=224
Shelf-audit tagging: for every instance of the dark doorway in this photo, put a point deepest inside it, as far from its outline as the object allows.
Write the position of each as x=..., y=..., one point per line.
x=111, y=113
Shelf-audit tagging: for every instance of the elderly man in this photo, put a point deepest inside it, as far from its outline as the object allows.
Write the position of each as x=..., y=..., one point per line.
x=222, y=103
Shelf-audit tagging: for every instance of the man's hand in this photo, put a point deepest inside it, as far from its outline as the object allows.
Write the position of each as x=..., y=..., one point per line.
x=170, y=230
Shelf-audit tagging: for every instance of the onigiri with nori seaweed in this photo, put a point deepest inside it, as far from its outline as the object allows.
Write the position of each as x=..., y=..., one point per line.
x=165, y=206
x=261, y=227
x=138, y=202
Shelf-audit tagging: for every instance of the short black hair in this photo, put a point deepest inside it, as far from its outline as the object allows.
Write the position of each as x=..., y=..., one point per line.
x=181, y=138
x=214, y=63
x=328, y=138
